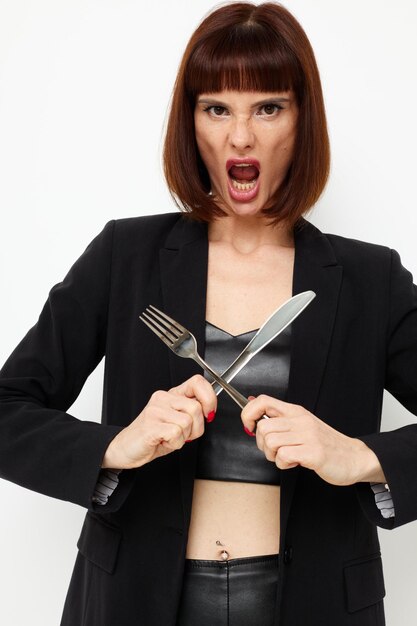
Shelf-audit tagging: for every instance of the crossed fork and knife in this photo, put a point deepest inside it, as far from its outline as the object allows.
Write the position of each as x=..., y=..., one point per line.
x=183, y=343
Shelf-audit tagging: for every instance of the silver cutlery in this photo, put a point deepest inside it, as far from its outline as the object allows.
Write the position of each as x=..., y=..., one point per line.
x=184, y=344
x=271, y=328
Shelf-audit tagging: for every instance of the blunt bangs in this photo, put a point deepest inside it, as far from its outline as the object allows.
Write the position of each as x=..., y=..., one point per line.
x=244, y=58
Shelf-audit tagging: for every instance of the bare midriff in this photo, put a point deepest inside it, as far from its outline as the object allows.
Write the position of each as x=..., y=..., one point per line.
x=243, y=517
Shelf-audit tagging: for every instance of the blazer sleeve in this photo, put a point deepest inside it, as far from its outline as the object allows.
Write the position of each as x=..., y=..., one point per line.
x=397, y=450
x=42, y=447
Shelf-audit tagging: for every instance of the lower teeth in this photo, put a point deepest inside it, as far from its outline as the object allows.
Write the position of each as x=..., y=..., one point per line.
x=243, y=186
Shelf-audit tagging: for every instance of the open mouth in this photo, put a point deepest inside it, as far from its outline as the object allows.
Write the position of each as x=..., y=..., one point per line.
x=243, y=176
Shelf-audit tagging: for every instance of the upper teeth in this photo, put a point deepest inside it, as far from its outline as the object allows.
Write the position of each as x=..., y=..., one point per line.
x=242, y=164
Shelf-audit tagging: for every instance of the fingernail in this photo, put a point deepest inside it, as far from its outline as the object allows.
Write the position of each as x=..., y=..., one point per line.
x=188, y=440
x=211, y=416
x=248, y=432
x=251, y=398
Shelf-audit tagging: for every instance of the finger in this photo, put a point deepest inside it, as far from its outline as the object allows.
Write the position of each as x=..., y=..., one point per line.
x=154, y=419
x=169, y=435
x=273, y=441
x=304, y=454
x=268, y=405
x=188, y=414
x=199, y=388
x=169, y=407
x=290, y=456
x=277, y=425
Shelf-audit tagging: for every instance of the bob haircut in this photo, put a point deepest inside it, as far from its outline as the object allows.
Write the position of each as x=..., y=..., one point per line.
x=248, y=47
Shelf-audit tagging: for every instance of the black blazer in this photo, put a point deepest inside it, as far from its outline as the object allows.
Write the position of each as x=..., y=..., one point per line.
x=358, y=336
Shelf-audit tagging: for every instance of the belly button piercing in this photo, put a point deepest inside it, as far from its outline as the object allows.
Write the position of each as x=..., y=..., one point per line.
x=224, y=555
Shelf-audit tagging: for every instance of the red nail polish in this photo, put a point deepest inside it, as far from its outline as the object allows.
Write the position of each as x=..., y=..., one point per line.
x=211, y=416
x=248, y=432
x=188, y=440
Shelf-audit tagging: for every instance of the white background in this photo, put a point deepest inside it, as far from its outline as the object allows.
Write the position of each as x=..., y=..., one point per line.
x=84, y=89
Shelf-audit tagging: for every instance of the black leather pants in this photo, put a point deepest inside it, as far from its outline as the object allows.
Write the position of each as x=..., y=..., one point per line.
x=237, y=592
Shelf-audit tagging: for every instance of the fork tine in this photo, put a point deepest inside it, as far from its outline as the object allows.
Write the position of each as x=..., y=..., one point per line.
x=166, y=341
x=184, y=345
x=163, y=325
x=166, y=332
x=175, y=324
x=174, y=327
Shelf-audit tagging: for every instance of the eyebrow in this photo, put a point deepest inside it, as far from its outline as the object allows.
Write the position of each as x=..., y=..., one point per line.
x=255, y=104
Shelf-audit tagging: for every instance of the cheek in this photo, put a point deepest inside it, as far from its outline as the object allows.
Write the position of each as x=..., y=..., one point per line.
x=285, y=147
x=208, y=153
x=203, y=144
x=280, y=157
x=209, y=140
x=203, y=147
x=290, y=143
x=288, y=149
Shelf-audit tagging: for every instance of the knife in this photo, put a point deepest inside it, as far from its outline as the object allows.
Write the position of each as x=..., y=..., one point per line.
x=275, y=324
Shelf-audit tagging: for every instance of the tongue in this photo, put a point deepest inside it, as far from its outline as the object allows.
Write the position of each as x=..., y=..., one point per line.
x=244, y=173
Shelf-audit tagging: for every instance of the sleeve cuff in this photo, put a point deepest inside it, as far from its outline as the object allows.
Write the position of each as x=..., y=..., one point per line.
x=106, y=484
x=383, y=499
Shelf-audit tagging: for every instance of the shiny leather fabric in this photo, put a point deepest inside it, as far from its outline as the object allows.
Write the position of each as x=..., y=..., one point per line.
x=225, y=451
x=237, y=592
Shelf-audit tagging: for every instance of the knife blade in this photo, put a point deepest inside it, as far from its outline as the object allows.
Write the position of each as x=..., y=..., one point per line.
x=271, y=328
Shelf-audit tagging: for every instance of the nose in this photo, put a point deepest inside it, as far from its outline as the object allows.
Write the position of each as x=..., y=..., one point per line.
x=241, y=134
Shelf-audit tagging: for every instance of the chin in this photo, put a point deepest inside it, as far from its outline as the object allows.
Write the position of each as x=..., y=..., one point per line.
x=245, y=209
x=252, y=208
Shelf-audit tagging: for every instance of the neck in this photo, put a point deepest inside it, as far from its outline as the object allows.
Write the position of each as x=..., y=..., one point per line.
x=249, y=233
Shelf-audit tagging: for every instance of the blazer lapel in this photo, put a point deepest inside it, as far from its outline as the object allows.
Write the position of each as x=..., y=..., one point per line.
x=315, y=268
x=183, y=263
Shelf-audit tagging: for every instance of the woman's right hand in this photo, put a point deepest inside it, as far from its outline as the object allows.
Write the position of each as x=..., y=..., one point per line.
x=168, y=420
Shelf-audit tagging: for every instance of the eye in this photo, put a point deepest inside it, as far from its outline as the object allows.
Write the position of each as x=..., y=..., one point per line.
x=271, y=108
x=216, y=110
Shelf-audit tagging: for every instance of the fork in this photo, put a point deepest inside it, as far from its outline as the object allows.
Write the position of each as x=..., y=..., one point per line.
x=183, y=343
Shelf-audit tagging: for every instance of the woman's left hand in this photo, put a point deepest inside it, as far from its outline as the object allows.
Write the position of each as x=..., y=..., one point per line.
x=294, y=436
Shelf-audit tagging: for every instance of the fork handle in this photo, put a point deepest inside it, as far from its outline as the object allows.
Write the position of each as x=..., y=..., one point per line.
x=233, y=393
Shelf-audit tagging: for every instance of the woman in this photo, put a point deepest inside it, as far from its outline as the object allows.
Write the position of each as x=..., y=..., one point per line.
x=208, y=524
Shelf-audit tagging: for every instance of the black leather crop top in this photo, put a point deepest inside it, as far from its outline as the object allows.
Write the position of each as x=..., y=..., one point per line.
x=225, y=451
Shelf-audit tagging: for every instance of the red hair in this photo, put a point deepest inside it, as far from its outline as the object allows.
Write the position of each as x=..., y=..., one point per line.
x=242, y=46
